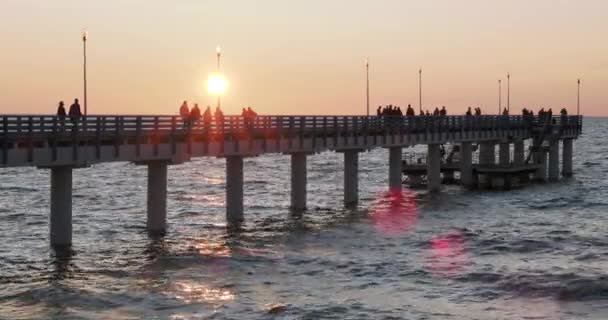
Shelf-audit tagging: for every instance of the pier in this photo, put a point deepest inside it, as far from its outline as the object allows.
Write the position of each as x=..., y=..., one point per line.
x=61, y=145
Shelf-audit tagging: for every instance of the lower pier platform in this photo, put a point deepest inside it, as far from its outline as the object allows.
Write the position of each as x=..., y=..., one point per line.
x=486, y=176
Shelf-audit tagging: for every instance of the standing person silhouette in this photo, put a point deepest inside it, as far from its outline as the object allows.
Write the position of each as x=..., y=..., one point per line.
x=75, y=112
x=184, y=112
x=61, y=111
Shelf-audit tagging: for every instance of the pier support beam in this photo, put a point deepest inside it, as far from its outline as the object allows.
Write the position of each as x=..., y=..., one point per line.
x=61, y=207
x=466, y=165
x=487, y=157
x=541, y=160
x=554, y=160
x=518, y=153
x=298, y=181
x=157, y=197
x=567, y=153
x=234, y=190
x=504, y=154
x=351, y=178
x=394, y=168
x=487, y=153
x=433, y=163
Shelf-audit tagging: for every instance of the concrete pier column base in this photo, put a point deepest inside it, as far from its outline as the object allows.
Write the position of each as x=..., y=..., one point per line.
x=466, y=165
x=61, y=207
x=541, y=173
x=433, y=168
x=351, y=178
x=487, y=153
x=504, y=155
x=157, y=197
x=394, y=168
x=519, y=154
x=234, y=190
x=567, y=153
x=298, y=181
x=487, y=157
x=554, y=160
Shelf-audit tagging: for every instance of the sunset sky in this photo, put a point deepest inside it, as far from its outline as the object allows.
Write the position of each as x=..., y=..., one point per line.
x=303, y=57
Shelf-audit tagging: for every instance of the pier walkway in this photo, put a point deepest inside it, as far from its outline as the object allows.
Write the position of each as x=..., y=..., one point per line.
x=61, y=145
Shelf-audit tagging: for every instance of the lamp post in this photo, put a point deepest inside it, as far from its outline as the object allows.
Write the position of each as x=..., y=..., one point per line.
x=508, y=93
x=578, y=97
x=420, y=89
x=499, y=95
x=219, y=55
x=85, y=34
x=367, y=84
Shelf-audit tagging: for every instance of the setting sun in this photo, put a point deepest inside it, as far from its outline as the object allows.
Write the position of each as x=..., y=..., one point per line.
x=216, y=84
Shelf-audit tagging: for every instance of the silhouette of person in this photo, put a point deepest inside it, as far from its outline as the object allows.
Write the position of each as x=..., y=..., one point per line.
x=195, y=113
x=207, y=118
x=61, y=111
x=219, y=119
x=184, y=112
x=74, y=112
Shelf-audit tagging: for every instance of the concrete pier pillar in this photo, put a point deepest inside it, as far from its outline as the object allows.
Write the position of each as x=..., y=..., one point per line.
x=519, y=154
x=298, y=181
x=504, y=156
x=487, y=157
x=61, y=206
x=567, y=153
x=234, y=190
x=487, y=153
x=554, y=160
x=433, y=163
x=351, y=178
x=541, y=161
x=466, y=165
x=157, y=197
x=394, y=170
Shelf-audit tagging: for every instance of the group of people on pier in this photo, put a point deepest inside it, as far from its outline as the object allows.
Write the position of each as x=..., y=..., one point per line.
x=193, y=116
x=391, y=110
x=470, y=112
x=74, y=113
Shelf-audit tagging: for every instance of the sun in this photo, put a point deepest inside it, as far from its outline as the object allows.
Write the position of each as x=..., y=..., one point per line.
x=216, y=84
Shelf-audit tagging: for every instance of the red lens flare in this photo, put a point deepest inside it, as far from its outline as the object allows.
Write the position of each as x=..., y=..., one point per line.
x=395, y=212
x=448, y=254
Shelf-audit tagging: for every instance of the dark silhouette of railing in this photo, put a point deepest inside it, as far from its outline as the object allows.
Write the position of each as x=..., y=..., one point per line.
x=30, y=131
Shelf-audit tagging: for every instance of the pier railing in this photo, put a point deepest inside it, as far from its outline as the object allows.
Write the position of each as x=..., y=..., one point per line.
x=18, y=129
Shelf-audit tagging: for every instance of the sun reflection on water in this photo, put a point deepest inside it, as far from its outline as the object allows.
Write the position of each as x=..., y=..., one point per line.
x=191, y=291
x=213, y=248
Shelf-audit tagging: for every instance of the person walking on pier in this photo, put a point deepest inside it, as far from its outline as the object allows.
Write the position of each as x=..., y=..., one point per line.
x=61, y=111
x=207, y=118
x=443, y=111
x=61, y=115
x=219, y=120
x=195, y=114
x=184, y=112
x=75, y=112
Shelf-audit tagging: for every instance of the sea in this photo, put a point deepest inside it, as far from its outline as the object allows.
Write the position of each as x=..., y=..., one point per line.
x=537, y=252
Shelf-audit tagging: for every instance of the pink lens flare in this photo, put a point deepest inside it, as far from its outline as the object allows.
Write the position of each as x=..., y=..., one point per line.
x=395, y=212
x=448, y=254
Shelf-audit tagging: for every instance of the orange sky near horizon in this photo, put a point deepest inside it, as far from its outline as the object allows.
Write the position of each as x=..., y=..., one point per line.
x=308, y=57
